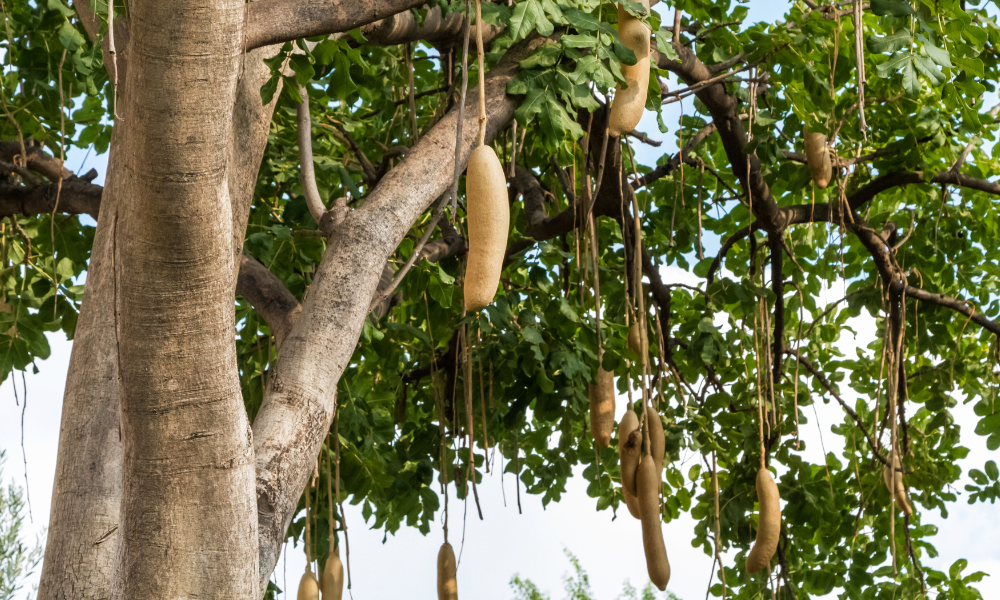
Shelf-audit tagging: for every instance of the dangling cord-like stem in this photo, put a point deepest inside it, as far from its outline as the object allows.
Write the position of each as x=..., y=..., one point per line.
x=482, y=410
x=329, y=490
x=113, y=54
x=442, y=432
x=482, y=73
x=859, y=56
x=470, y=472
x=308, y=536
x=461, y=117
x=336, y=475
x=717, y=528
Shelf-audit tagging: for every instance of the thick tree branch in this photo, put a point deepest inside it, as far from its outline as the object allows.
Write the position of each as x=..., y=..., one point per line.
x=300, y=400
x=437, y=30
x=961, y=306
x=278, y=21
x=38, y=161
x=540, y=225
x=77, y=197
x=268, y=296
x=724, y=109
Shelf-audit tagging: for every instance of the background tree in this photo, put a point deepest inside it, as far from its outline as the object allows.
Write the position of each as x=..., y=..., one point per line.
x=346, y=268
x=17, y=560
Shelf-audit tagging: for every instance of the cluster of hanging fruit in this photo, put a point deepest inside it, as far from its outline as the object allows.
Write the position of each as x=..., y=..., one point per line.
x=641, y=442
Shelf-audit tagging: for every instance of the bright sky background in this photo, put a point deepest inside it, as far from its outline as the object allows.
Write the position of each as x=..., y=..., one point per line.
x=506, y=543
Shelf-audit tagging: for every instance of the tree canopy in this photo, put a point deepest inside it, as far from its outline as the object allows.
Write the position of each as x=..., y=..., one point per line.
x=908, y=228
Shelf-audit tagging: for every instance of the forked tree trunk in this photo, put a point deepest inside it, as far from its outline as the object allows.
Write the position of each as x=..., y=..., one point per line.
x=188, y=526
x=82, y=533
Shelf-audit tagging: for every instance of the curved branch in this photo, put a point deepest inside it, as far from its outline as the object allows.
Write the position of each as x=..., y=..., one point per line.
x=961, y=306
x=540, y=225
x=729, y=243
x=307, y=170
x=724, y=109
x=675, y=160
x=38, y=161
x=268, y=296
x=403, y=28
x=299, y=403
x=278, y=21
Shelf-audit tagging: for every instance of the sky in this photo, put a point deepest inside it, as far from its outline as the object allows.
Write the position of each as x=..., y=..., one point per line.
x=532, y=543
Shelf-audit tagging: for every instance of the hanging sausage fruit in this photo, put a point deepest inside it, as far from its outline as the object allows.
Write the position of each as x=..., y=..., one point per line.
x=627, y=107
x=487, y=211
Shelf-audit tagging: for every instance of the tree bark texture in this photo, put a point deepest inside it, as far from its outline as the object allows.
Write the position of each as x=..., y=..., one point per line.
x=187, y=525
x=82, y=535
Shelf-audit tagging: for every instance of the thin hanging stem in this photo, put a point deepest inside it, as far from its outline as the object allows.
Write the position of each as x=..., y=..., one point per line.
x=482, y=73
x=453, y=193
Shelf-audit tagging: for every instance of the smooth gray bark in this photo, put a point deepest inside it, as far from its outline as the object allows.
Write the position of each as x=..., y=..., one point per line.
x=187, y=525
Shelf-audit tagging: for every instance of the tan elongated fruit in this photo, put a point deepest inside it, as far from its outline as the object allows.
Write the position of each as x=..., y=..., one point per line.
x=602, y=407
x=331, y=582
x=447, y=583
x=657, y=442
x=628, y=105
x=629, y=446
x=488, y=215
x=649, y=485
x=818, y=158
x=768, y=523
x=634, y=338
x=308, y=586
x=894, y=481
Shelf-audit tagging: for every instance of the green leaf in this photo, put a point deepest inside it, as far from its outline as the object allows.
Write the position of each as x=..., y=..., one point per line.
x=926, y=66
x=991, y=470
x=545, y=56
x=939, y=55
x=61, y=7
x=890, y=43
x=531, y=106
x=582, y=21
x=69, y=37
x=893, y=65
x=892, y=8
x=636, y=9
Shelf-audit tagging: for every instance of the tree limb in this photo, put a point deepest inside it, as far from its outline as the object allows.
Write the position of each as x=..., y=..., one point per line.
x=438, y=30
x=307, y=170
x=962, y=306
x=268, y=296
x=38, y=161
x=300, y=400
x=278, y=21
x=724, y=109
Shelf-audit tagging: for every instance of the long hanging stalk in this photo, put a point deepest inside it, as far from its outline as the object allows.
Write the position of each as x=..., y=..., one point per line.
x=453, y=192
x=482, y=72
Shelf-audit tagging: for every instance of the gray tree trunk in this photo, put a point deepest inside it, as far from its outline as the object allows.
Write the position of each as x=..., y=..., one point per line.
x=188, y=523
x=82, y=535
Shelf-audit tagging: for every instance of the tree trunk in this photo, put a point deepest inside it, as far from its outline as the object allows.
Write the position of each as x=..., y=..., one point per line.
x=188, y=526
x=82, y=536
